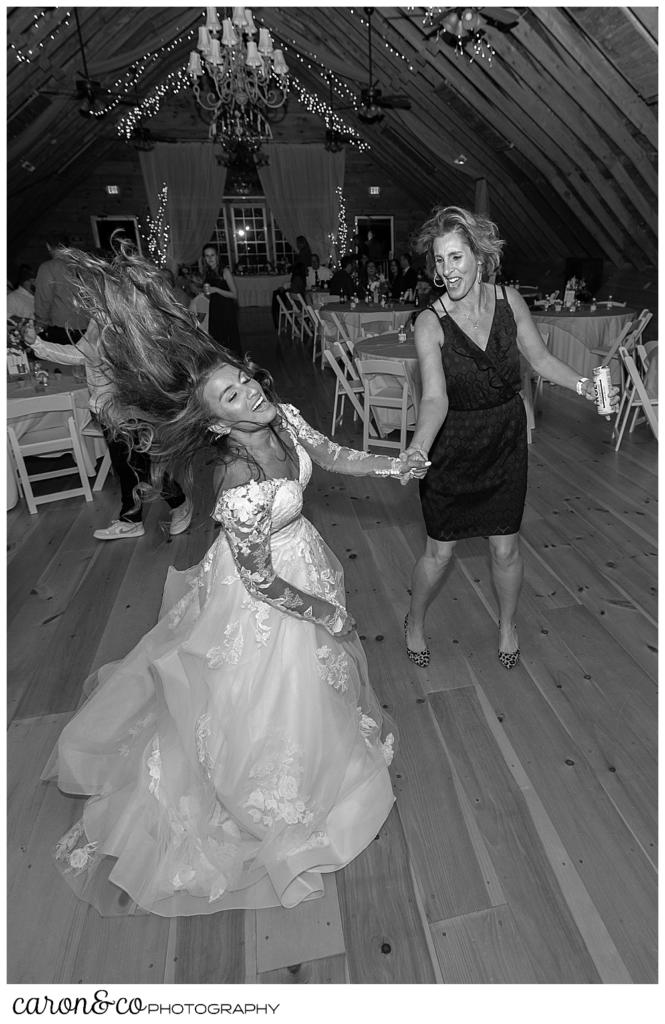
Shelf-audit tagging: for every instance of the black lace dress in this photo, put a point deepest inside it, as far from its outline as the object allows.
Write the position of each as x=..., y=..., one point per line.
x=476, y=485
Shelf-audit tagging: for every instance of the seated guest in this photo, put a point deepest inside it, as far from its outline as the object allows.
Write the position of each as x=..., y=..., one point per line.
x=56, y=312
x=317, y=274
x=342, y=283
x=370, y=288
x=409, y=277
x=423, y=288
x=21, y=302
x=395, y=283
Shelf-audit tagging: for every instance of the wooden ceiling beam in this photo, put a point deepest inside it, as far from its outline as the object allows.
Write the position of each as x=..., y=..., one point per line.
x=426, y=112
x=588, y=55
x=501, y=114
x=570, y=127
x=594, y=114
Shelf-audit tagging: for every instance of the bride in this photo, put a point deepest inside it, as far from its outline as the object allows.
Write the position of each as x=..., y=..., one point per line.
x=236, y=753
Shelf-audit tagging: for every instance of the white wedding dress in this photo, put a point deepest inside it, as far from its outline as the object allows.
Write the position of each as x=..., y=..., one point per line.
x=235, y=754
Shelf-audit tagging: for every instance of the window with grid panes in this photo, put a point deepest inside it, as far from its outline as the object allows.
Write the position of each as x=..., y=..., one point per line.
x=246, y=235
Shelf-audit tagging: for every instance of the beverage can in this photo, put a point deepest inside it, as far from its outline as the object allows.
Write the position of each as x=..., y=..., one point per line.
x=602, y=379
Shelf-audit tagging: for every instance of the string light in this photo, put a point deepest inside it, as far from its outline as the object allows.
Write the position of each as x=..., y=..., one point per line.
x=342, y=229
x=158, y=229
x=26, y=57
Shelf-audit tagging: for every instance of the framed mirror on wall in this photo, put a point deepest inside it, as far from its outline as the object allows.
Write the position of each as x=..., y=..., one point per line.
x=375, y=237
x=107, y=229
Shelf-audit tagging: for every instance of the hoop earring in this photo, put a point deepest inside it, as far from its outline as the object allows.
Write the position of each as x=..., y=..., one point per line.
x=440, y=283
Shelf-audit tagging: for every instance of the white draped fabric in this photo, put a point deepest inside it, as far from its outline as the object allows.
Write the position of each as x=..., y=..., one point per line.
x=300, y=186
x=195, y=192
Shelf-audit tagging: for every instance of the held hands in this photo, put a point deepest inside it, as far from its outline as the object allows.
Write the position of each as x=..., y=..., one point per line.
x=414, y=465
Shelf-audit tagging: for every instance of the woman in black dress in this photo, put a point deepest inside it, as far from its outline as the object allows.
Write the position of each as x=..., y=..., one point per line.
x=223, y=295
x=472, y=422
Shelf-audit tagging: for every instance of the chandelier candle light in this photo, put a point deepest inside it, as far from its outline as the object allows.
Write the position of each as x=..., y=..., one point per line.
x=236, y=79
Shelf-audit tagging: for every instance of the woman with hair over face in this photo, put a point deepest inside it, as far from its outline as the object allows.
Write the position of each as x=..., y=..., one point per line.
x=472, y=421
x=236, y=753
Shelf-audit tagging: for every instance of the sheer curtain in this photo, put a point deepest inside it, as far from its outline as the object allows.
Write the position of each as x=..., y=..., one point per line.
x=300, y=185
x=195, y=191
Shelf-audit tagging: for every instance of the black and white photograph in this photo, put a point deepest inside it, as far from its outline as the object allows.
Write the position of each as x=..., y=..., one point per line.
x=332, y=530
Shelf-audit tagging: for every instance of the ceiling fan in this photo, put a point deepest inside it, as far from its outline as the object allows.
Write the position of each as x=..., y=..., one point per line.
x=90, y=93
x=372, y=100
x=460, y=23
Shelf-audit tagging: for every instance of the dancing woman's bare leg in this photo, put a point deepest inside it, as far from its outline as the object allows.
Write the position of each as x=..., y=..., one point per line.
x=507, y=573
x=427, y=577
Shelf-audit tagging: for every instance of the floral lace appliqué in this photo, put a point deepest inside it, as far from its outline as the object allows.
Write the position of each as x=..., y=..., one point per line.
x=154, y=766
x=334, y=669
x=73, y=851
x=231, y=652
x=276, y=796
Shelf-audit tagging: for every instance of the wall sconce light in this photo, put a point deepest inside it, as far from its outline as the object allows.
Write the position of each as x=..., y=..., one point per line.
x=113, y=190
x=374, y=190
x=460, y=160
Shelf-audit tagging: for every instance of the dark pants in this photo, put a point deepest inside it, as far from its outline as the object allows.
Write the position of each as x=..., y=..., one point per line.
x=131, y=468
x=61, y=335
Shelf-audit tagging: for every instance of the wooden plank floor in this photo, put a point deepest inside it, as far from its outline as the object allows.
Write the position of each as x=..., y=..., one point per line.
x=522, y=846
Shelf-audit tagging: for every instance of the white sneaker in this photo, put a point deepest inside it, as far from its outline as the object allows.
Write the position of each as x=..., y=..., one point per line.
x=181, y=517
x=119, y=529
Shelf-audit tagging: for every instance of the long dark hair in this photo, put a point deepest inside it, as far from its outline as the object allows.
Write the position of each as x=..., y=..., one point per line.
x=158, y=361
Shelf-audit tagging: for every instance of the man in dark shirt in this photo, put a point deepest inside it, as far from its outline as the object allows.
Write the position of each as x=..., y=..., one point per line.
x=341, y=283
x=409, y=276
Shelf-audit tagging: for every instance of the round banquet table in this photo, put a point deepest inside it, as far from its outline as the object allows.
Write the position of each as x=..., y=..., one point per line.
x=573, y=336
x=364, y=312
x=387, y=346
x=59, y=384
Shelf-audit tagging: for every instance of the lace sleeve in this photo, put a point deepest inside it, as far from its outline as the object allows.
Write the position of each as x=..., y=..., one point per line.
x=245, y=513
x=336, y=458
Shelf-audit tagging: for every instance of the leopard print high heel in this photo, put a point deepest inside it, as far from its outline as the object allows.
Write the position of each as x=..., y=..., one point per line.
x=419, y=658
x=509, y=659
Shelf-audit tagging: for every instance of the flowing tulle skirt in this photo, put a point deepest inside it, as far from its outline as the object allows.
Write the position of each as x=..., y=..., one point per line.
x=233, y=756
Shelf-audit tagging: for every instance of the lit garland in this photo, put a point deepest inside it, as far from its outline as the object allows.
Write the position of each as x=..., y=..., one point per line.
x=27, y=56
x=315, y=105
x=342, y=229
x=388, y=46
x=178, y=81
x=158, y=230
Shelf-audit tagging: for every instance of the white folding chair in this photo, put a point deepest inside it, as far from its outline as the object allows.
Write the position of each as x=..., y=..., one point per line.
x=636, y=400
x=629, y=337
x=342, y=332
x=93, y=429
x=386, y=387
x=304, y=316
x=59, y=437
x=324, y=334
x=347, y=384
x=285, y=314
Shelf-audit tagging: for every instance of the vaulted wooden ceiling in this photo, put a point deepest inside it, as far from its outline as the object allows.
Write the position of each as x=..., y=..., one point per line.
x=562, y=124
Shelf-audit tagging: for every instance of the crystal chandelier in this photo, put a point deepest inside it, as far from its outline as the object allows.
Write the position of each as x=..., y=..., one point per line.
x=237, y=81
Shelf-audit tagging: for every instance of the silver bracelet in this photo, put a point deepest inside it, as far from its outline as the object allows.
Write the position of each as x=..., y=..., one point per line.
x=579, y=387
x=421, y=451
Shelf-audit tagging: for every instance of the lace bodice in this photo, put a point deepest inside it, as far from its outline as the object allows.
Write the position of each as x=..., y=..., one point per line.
x=254, y=514
x=284, y=496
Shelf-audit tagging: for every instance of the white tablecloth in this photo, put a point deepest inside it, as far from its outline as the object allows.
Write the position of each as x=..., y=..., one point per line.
x=257, y=289
x=59, y=384
x=574, y=335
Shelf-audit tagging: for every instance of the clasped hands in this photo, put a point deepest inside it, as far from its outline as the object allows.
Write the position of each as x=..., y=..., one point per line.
x=414, y=465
